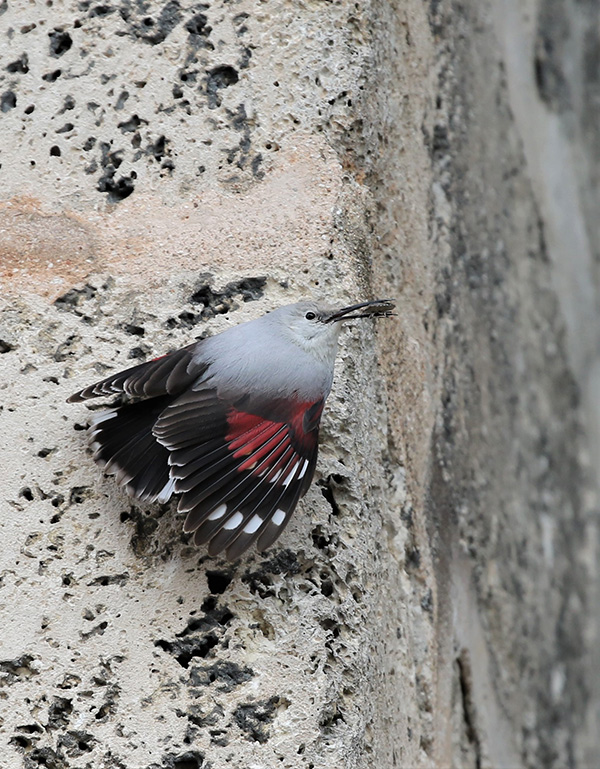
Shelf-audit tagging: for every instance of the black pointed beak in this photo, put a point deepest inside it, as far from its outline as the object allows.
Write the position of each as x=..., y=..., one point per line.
x=377, y=308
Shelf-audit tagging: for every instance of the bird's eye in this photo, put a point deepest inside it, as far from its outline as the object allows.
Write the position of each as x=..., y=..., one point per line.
x=310, y=315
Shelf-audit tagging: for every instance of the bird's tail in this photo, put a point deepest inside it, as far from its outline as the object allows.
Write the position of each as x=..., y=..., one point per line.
x=124, y=446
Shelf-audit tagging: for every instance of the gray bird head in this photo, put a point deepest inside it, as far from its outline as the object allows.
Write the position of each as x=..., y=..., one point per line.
x=315, y=327
x=289, y=350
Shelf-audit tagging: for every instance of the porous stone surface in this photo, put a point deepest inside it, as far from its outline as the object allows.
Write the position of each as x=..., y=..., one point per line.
x=170, y=169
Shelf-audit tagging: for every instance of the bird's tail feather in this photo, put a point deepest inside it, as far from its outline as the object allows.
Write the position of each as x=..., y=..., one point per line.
x=124, y=446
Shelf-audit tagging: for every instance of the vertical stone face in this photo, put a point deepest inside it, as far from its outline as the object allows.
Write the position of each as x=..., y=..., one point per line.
x=170, y=169
x=502, y=315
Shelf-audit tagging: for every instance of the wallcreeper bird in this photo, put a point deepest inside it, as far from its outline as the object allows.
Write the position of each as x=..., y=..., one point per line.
x=230, y=423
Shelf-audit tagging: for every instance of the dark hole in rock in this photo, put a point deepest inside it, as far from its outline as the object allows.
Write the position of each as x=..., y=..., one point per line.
x=225, y=618
x=189, y=760
x=134, y=330
x=331, y=625
x=60, y=42
x=59, y=711
x=188, y=319
x=120, y=103
x=155, y=31
x=413, y=557
x=74, y=296
x=197, y=25
x=260, y=581
x=331, y=717
x=30, y=728
x=8, y=101
x=226, y=675
x=128, y=126
x=327, y=490
x=320, y=539
x=50, y=77
x=69, y=104
x=109, y=579
x=118, y=189
x=20, y=741
x=185, y=650
x=209, y=604
x=218, y=581
x=79, y=494
x=103, y=711
x=188, y=77
x=218, y=78
x=221, y=302
x=101, y=10
x=138, y=353
x=20, y=65
x=159, y=148
x=252, y=718
x=75, y=743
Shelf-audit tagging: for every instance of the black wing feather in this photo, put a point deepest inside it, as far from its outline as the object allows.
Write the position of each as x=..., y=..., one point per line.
x=240, y=474
x=170, y=374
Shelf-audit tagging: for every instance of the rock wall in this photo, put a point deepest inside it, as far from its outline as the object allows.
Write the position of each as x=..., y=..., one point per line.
x=170, y=169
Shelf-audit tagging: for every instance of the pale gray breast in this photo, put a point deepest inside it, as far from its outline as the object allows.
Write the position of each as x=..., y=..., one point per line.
x=256, y=357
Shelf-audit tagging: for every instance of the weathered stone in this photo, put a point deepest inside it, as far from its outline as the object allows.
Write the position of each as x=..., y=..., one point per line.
x=168, y=169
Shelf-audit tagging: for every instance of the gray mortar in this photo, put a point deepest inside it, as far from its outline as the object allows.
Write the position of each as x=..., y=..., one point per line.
x=169, y=169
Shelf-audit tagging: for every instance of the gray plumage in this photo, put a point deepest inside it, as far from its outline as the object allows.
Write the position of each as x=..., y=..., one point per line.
x=229, y=422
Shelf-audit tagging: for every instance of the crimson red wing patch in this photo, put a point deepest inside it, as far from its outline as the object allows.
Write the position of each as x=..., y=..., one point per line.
x=244, y=487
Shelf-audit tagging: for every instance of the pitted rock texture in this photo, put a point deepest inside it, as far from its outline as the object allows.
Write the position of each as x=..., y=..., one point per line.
x=168, y=169
x=131, y=626
x=165, y=97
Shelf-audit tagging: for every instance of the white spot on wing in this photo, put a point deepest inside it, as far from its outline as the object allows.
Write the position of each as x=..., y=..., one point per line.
x=111, y=468
x=278, y=517
x=121, y=476
x=276, y=476
x=288, y=480
x=253, y=524
x=234, y=521
x=303, y=469
x=218, y=512
x=102, y=417
x=166, y=491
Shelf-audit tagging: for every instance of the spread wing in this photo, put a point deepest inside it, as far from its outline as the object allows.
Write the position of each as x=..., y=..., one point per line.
x=240, y=474
x=170, y=373
x=240, y=465
x=121, y=437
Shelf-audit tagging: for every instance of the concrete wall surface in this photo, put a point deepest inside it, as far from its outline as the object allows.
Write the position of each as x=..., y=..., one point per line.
x=168, y=169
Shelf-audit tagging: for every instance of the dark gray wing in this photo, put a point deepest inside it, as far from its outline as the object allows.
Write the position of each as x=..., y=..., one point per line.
x=168, y=375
